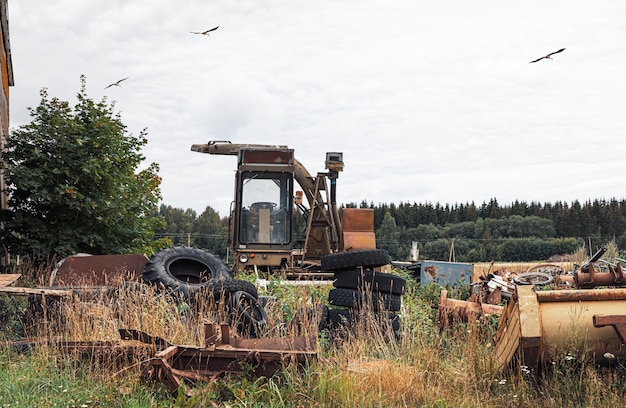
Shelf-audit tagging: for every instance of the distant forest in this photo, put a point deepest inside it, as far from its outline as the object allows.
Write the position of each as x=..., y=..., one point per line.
x=520, y=231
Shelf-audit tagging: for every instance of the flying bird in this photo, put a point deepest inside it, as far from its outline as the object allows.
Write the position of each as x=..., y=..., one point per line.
x=117, y=83
x=549, y=56
x=205, y=32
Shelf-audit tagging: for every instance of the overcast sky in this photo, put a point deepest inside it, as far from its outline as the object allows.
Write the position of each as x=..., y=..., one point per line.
x=430, y=101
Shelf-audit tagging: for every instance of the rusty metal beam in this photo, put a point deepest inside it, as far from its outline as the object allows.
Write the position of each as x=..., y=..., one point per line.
x=617, y=321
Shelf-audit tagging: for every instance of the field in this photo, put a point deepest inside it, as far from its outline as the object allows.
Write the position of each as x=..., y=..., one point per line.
x=368, y=367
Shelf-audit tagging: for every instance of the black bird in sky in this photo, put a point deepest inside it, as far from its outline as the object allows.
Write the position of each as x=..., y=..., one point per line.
x=116, y=83
x=549, y=56
x=205, y=32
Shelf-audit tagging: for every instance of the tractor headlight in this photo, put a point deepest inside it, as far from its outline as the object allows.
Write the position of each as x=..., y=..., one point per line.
x=243, y=258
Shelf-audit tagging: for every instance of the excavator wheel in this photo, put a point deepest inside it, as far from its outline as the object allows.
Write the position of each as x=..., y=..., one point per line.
x=368, y=258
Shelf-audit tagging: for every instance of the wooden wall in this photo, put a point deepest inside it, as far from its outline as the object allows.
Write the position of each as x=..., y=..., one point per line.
x=6, y=70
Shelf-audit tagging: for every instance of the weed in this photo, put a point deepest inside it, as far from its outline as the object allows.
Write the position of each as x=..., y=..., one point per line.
x=372, y=365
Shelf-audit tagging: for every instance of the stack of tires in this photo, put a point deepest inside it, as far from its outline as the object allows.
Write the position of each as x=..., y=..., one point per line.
x=192, y=273
x=360, y=293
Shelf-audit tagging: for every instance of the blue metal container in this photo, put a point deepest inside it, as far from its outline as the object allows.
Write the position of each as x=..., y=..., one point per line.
x=444, y=273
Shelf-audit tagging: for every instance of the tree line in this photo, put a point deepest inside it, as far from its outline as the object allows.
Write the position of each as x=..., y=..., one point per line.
x=464, y=232
x=521, y=231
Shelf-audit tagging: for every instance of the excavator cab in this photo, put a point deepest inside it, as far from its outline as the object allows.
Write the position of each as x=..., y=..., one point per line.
x=265, y=222
x=262, y=230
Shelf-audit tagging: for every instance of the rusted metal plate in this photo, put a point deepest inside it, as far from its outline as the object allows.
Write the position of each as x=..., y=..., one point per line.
x=98, y=270
x=358, y=240
x=357, y=219
x=357, y=226
x=279, y=157
x=8, y=278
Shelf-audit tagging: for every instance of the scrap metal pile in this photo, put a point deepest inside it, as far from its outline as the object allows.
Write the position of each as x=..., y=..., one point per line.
x=490, y=293
x=546, y=311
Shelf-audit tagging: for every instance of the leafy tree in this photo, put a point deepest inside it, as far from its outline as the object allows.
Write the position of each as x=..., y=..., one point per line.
x=74, y=184
x=438, y=250
x=211, y=232
x=387, y=237
x=178, y=223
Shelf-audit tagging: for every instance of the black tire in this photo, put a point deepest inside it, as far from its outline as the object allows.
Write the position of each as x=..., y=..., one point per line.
x=357, y=299
x=341, y=317
x=375, y=281
x=184, y=270
x=393, y=319
x=348, y=317
x=246, y=314
x=305, y=316
x=40, y=306
x=224, y=288
x=369, y=258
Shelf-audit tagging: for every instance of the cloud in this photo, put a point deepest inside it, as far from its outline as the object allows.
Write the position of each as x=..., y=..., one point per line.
x=428, y=102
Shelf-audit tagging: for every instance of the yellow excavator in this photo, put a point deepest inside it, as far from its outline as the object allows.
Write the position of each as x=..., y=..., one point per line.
x=266, y=196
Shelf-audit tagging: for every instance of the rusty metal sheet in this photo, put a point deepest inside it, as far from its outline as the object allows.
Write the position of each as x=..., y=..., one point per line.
x=98, y=270
x=358, y=240
x=8, y=278
x=357, y=219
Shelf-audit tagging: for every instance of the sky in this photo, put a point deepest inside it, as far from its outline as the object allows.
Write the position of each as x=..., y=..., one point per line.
x=429, y=101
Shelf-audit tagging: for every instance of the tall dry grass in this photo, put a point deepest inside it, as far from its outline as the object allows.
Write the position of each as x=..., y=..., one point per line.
x=367, y=365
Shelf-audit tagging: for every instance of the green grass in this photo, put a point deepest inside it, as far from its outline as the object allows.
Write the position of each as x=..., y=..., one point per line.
x=368, y=368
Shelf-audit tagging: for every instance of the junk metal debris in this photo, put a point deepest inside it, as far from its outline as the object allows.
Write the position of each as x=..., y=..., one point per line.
x=453, y=310
x=171, y=364
x=618, y=322
x=223, y=355
x=536, y=323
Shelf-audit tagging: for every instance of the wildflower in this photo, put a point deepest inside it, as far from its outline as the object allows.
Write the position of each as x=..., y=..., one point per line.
x=502, y=381
x=610, y=356
x=569, y=357
x=525, y=369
